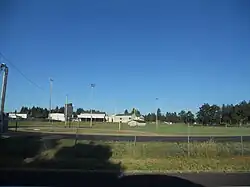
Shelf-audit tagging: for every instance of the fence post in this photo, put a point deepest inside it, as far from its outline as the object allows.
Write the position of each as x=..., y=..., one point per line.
x=134, y=146
x=76, y=137
x=188, y=142
x=16, y=120
x=16, y=125
x=242, y=146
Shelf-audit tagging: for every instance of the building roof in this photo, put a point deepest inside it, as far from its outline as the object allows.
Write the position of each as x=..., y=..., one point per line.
x=137, y=115
x=57, y=114
x=123, y=115
x=88, y=115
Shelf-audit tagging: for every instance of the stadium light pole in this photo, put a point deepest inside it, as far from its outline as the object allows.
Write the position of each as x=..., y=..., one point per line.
x=66, y=111
x=188, y=138
x=156, y=115
x=115, y=107
x=92, y=91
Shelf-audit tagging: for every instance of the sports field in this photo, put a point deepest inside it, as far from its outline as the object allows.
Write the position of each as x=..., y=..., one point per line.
x=113, y=128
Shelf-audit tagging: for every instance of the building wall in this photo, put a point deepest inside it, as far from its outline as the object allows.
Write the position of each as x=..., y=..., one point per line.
x=122, y=118
x=13, y=116
x=95, y=117
x=119, y=118
x=69, y=107
x=57, y=116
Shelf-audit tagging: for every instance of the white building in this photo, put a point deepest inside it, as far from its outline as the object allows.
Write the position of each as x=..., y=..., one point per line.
x=120, y=118
x=57, y=116
x=14, y=116
x=123, y=118
x=95, y=117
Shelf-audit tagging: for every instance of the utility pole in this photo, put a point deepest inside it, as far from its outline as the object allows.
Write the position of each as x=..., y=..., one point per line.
x=115, y=107
x=16, y=120
x=188, y=141
x=3, y=93
x=50, y=99
x=156, y=114
x=66, y=111
x=92, y=91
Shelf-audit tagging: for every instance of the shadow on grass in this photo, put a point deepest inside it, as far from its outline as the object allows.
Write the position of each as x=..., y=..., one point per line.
x=87, y=157
x=14, y=150
x=28, y=152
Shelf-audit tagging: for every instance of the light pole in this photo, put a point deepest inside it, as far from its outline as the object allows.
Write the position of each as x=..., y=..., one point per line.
x=92, y=91
x=66, y=111
x=156, y=114
x=188, y=141
x=50, y=98
x=115, y=107
x=76, y=116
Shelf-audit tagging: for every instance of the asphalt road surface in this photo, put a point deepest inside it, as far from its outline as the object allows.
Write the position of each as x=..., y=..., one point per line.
x=132, y=138
x=81, y=178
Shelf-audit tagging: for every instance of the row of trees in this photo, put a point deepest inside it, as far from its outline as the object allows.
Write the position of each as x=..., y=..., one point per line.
x=238, y=114
x=133, y=111
x=81, y=110
x=181, y=117
x=38, y=112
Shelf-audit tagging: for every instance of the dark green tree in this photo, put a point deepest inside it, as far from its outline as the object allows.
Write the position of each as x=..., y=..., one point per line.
x=183, y=116
x=158, y=114
x=126, y=112
x=189, y=117
x=61, y=109
x=24, y=110
x=172, y=117
x=79, y=111
x=203, y=115
x=135, y=111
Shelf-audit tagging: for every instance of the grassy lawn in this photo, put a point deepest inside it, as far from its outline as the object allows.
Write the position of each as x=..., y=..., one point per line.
x=12, y=123
x=32, y=152
x=149, y=129
x=88, y=131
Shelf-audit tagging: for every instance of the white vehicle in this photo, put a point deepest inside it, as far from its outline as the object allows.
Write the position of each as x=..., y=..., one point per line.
x=134, y=123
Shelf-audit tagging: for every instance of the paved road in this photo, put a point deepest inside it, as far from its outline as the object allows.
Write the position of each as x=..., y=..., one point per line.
x=132, y=138
x=81, y=178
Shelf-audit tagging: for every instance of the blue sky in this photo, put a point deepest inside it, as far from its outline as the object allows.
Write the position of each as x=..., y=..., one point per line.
x=183, y=52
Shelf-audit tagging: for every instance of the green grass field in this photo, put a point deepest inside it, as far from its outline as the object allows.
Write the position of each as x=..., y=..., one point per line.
x=149, y=129
x=129, y=156
x=31, y=152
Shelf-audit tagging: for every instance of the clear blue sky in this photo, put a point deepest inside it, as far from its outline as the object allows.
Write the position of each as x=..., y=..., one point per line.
x=183, y=52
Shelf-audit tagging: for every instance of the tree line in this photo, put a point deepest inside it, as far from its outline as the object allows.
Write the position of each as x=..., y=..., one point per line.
x=181, y=117
x=238, y=114
x=38, y=112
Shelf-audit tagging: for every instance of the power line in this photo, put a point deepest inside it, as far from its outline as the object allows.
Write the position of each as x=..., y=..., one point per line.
x=21, y=73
